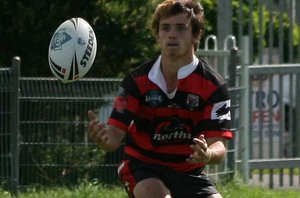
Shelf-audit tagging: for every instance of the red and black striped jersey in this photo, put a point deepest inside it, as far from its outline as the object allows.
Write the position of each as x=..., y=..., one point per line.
x=160, y=126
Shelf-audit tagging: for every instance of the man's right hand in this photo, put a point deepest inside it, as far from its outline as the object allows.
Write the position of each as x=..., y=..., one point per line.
x=109, y=138
x=97, y=131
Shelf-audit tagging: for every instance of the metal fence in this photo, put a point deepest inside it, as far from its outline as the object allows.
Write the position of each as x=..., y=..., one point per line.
x=272, y=29
x=268, y=34
x=274, y=129
x=9, y=122
x=53, y=147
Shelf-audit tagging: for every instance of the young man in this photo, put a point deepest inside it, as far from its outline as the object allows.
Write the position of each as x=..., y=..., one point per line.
x=172, y=111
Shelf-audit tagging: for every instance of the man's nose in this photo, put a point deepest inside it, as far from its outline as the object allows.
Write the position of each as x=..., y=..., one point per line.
x=173, y=32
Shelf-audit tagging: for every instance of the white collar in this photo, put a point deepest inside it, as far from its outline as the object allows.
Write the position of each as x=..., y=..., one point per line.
x=156, y=75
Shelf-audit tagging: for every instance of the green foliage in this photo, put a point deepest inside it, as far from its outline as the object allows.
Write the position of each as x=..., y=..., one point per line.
x=54, y=147
x=84, y=190
x=262, y=20
x=27, y=26
x=124, y=37
x=296, y=35
x=121, y=26
x=65, y=163
x=210, y=11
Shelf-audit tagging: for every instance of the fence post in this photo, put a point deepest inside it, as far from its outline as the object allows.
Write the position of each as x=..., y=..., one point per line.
x=14, y=121
x=224, y=22
x=244, y=119
x=296, y=132
x=232, y=83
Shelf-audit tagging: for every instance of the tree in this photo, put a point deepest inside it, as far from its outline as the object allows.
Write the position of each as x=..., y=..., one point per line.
x=121, y=28
x=124, y=36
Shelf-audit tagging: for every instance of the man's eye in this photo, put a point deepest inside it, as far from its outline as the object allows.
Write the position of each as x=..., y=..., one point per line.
x=181, y=28
x=165, y=27
x=177, y=27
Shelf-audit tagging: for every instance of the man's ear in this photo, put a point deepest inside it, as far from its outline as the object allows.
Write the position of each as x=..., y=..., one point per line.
x=197, y=37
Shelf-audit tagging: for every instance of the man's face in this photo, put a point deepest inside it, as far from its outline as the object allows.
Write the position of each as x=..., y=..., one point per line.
x=175, y=36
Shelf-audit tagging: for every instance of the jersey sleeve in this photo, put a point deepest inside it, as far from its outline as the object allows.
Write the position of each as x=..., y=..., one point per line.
x=125, y=104
x=217, y=117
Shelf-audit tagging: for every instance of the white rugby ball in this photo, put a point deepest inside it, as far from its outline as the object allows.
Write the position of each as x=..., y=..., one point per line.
x=72, y=50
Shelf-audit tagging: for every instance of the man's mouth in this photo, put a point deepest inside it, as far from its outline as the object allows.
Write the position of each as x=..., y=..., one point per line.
x=172, y=45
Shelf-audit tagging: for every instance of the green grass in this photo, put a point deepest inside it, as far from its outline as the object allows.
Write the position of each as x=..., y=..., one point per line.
x=286, y=171
x=236, y=190
x=88, y=190
x=85, y=190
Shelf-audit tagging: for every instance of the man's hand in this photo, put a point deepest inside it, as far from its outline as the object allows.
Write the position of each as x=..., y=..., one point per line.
x=202, y=154
x=210, y=150
x=97, y=131
x=108, y=137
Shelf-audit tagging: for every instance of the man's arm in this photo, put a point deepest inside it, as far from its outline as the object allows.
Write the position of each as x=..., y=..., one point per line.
x=108, y=137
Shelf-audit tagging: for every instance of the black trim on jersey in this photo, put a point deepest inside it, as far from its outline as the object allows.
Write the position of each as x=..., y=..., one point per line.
x=219, y=95
x=144, y=124
x=129, y=81
x=214, y=125
x=207, y=72
x=144, y=68
x=159, y=156
x=131, y=86
x=119, y=116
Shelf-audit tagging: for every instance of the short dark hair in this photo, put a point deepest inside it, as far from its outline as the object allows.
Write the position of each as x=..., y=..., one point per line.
x=192, y=8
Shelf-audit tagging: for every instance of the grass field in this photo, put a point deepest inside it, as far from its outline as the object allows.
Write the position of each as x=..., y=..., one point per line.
x=230, y=190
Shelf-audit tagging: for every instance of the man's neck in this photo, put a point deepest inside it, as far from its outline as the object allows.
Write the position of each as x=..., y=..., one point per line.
x=171, y=66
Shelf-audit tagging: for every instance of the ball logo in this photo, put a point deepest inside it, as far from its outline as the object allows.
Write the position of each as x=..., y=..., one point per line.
x=81, y=41
x=89, y=48
x=59, y=39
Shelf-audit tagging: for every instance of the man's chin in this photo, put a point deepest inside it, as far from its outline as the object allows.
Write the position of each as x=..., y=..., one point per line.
x=172, y=52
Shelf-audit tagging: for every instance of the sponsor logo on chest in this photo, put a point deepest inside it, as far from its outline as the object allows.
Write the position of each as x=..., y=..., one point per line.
x=172, y=131
x=154, y=98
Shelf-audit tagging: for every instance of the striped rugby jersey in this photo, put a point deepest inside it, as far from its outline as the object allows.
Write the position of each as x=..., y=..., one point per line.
x=160, y=126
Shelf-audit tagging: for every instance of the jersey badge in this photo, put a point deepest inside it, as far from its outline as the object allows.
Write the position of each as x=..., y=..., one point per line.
x=221, y=111
x=192, y=101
